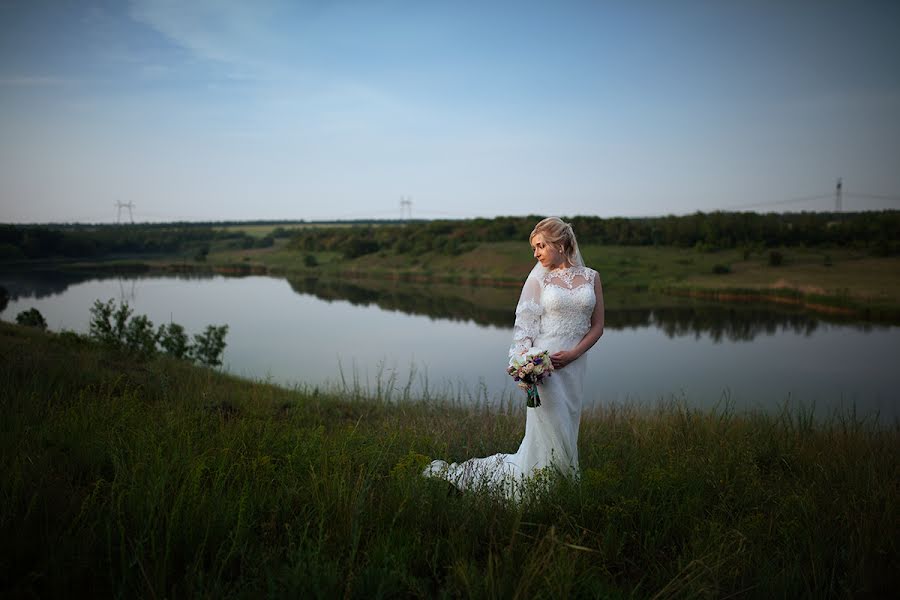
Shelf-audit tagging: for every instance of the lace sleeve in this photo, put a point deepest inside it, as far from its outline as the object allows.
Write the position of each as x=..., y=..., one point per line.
x=528, y=318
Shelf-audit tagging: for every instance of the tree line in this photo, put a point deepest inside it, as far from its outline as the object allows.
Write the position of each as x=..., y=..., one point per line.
x=878, y=232
x=48, y=241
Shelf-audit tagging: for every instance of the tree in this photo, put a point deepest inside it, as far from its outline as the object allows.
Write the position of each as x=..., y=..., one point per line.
x=209, y=345
x=115, y=327
x=174, y=340
x=31, y=318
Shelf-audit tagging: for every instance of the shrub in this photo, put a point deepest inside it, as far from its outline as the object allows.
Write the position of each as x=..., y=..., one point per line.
x=139, y=336
x=110, y=325
x=310, y=261
x=108, y=322
x=721, y=269
x=174, y=340
x=31, y=318
x=776, y=258
x=209, y=345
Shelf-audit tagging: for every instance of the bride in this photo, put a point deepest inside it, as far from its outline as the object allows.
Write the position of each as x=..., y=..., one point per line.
x=561, y=311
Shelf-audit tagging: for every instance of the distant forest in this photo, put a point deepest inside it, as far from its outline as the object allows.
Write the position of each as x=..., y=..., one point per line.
x=96, y=241
x=876, y=232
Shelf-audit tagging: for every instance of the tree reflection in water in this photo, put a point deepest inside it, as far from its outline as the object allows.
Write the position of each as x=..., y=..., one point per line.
x=676, y=317
x=494, y=306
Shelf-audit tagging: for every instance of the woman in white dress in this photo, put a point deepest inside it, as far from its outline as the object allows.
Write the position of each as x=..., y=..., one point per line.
x=561, y=311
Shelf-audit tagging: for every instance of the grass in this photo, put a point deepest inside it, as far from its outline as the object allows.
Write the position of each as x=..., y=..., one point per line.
x=159, y=479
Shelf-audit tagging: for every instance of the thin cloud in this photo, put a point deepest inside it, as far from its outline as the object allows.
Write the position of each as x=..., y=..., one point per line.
x=237, y=34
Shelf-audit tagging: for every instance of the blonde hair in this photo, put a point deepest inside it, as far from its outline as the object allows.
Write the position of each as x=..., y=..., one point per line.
x=557, y=233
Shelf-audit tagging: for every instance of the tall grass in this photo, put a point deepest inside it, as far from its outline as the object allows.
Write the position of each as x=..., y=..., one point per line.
x=159, y=479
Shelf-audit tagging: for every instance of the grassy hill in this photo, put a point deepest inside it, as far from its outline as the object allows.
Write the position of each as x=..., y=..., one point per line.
x=160, y=479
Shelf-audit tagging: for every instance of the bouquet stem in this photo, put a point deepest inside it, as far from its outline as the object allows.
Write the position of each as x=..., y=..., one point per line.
x=534, y=400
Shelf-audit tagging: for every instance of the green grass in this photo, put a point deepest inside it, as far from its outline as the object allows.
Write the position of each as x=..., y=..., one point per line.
x=160, y=479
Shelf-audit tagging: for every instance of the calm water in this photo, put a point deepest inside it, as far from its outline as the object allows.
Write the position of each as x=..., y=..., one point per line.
x=307, y=332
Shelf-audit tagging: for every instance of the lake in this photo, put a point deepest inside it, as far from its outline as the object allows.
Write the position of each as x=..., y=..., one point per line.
x=452, y=340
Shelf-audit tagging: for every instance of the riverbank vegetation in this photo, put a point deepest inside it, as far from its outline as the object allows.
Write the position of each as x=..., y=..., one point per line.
x=829, y=262
x=156, y=478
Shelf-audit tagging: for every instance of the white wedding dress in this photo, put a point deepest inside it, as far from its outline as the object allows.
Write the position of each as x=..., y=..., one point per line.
x=554, y=313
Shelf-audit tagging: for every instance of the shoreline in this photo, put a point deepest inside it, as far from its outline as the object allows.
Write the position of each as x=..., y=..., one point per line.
x=817, y=303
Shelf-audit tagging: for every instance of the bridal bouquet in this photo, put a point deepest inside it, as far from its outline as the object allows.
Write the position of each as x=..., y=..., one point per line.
x=529, y=370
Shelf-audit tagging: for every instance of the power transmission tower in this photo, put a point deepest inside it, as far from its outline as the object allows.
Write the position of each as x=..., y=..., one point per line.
x=124, y=295
x=838, y=200
x=405, y=208
x=120, y=206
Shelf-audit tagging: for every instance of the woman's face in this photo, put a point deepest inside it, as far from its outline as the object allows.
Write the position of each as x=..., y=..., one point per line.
x=546, y=254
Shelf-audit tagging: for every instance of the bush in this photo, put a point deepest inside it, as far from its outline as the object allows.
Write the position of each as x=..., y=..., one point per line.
x=108, y=322
x=776, y=258
x=31, y=318
x=110, y=325
x=310, y=261
x=721, y=269
x=209, y=345
x=174, y=340
x=139, y=336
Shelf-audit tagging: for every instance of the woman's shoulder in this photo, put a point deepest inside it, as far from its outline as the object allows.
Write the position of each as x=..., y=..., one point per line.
x=590, y=273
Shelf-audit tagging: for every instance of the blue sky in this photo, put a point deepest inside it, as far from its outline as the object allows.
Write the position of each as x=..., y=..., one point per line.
x=221, y=110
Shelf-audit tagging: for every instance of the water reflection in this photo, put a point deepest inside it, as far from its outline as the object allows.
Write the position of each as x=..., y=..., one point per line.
x=734, y=324
x=655, y=345
x=677, y=317
x=435, y=301
x=494, y=306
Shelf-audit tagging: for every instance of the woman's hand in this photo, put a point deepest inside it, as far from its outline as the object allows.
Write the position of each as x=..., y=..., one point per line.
x=562, y=358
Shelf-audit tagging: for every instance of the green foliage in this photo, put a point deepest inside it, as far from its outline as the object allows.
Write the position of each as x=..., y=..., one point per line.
x=10, y=252
x=108, y=322
x=720, y=269
x=114, y=326
x=776, y=258
x=876, y=231
x=31, y=318
x=139, y=335
x=91, y=241
x=173, y=340
x=309, y=260
x=202, y=253
x=209, y=345
x=707, y=232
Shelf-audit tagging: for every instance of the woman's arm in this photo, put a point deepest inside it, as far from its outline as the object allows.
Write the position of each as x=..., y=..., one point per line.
x=561, y=359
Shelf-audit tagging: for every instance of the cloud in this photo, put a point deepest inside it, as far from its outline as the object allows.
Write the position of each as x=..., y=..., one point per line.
x=242, y=35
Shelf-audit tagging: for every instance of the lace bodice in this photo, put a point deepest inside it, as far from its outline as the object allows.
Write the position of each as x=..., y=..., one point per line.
x=556, y=304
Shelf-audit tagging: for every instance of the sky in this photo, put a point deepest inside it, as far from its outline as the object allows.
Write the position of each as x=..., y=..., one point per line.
x=271, y=109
